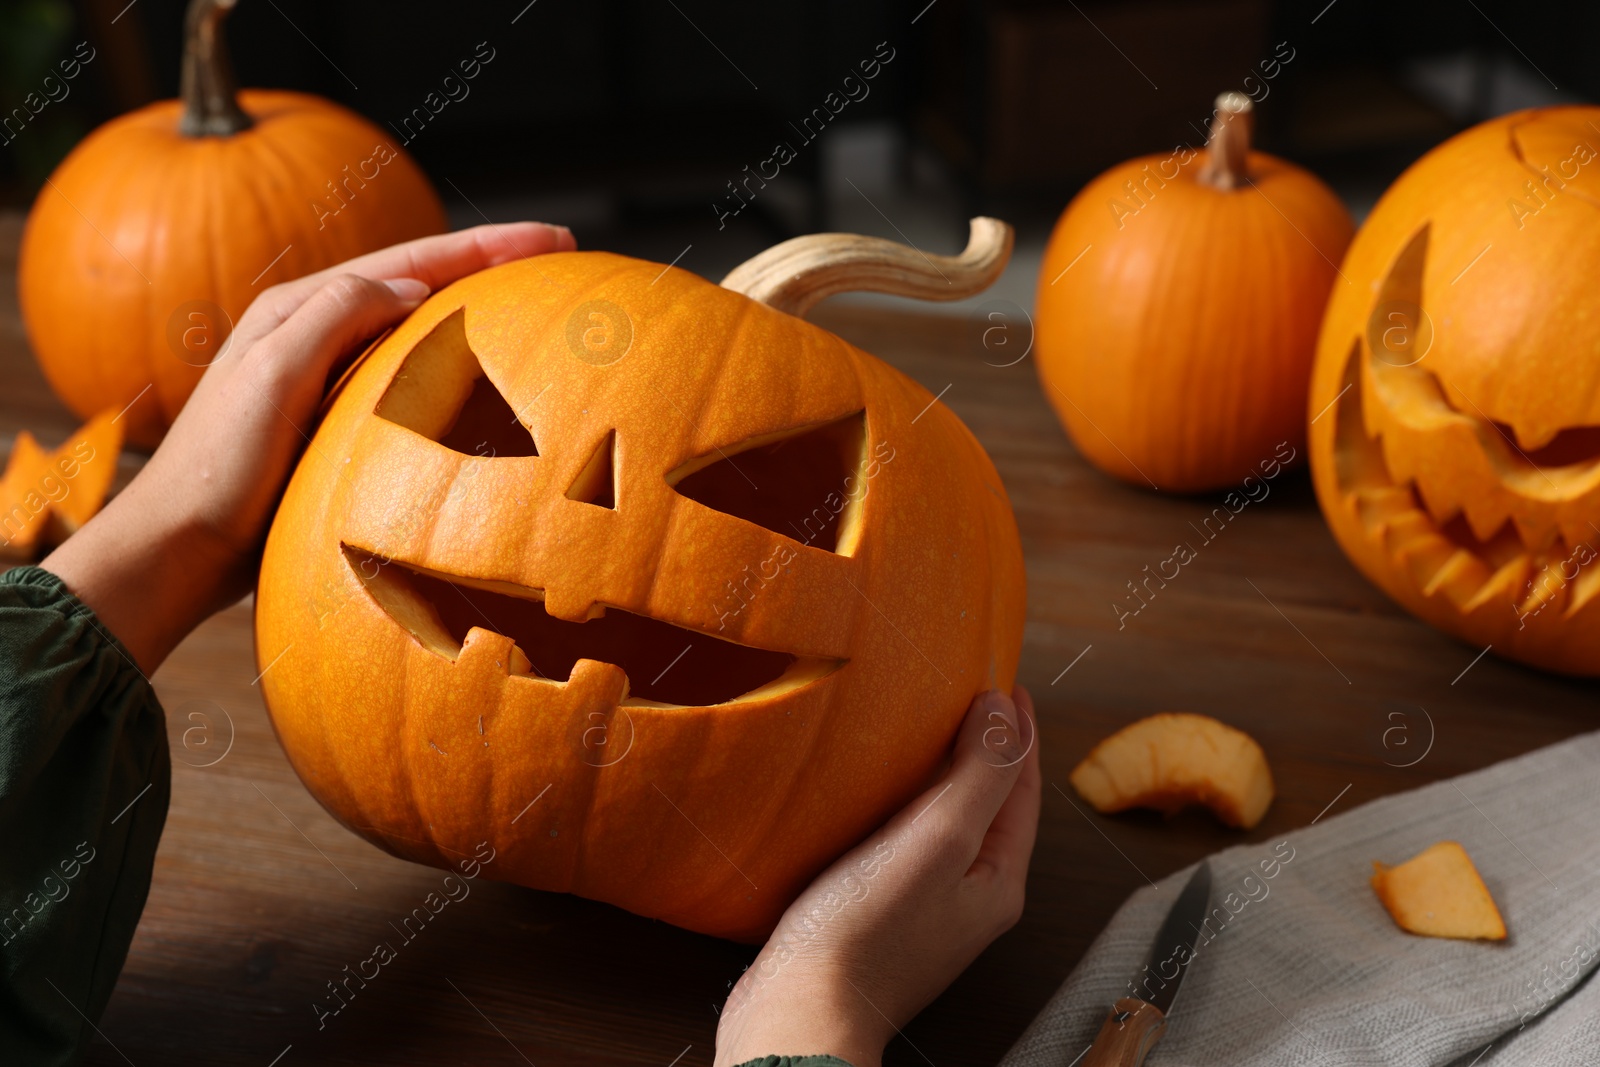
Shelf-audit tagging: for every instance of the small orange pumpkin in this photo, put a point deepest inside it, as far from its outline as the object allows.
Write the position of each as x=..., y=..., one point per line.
x=155, y=233
x=664, y=593
x=1455, y=436
x=1178, y=308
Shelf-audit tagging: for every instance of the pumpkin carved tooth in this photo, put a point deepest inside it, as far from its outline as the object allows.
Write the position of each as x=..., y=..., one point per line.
x=1503, y=586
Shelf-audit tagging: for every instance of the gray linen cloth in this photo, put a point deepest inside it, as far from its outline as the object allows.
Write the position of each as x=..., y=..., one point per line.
x=1308, y=968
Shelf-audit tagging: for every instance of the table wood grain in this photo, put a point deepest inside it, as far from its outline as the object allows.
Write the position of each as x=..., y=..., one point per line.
x=260, y=898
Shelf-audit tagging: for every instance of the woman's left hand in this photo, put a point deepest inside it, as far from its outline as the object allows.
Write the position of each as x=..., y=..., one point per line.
x=182, y=541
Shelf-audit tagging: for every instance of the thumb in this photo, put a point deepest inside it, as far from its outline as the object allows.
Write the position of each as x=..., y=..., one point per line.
x=986, y=764
x=291, y=364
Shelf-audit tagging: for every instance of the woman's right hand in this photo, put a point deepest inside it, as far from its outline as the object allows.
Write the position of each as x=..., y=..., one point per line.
x=883, y=931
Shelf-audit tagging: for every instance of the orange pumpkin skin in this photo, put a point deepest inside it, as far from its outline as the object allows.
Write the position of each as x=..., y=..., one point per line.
x=1457, y=388
x=142, y=232
x=1177, y=350
x=711, y=817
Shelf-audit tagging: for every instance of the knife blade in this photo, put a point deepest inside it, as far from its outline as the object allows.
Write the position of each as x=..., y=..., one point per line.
x=1136, y=1022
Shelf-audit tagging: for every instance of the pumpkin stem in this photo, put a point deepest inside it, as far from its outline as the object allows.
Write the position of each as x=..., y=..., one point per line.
x=209, y=91
x=1228, y=149
x=796, y=274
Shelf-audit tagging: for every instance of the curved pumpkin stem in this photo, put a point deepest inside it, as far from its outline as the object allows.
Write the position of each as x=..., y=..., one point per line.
x=796, y=274
x=209, y=91
x=1227, y=162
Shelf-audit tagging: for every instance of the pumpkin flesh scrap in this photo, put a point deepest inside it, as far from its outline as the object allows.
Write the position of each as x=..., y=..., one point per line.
x=46, y=496
x=1169, y=761
x=1439, y=893
x=93, y=450
x=21, y=493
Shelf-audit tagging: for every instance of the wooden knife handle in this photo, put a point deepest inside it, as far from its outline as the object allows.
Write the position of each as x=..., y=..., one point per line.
x=1127, y=1035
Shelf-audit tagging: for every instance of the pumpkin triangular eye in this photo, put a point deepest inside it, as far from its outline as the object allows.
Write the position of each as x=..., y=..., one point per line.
x=806, y=483
x=597, y=483
x=442, y=393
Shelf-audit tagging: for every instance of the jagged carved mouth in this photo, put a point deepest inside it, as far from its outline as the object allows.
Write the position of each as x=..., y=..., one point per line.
x=666, y=665
x=1449, y=552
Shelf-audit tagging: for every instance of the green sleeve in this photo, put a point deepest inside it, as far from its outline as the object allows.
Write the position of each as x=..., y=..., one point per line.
x=796, y=1061
x=84, y=782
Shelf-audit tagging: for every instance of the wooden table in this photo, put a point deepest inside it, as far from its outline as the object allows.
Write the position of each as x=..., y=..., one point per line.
x=260, y=897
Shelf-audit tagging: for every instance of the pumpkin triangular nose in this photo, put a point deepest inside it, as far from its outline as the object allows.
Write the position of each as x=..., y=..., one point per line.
x=597, y=483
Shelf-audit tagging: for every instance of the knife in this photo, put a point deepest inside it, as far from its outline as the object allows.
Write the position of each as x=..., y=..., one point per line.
x=1136, y=1022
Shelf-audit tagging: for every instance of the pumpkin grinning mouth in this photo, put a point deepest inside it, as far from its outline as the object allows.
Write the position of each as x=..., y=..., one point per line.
x=666, y=665
x=1446, y=558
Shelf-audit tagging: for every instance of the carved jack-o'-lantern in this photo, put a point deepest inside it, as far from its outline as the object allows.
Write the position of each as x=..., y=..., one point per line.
x=1455, y=439
x=663, y=592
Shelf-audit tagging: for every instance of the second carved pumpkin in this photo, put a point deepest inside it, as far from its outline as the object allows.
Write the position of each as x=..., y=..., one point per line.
x=1178, y=307
x=1456, y=447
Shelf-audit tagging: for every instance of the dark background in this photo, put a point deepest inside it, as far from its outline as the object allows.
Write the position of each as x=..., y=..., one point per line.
x=628, y=117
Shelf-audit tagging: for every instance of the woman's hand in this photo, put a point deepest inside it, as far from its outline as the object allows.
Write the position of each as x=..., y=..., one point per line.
x=182, y=541
x=883, y=931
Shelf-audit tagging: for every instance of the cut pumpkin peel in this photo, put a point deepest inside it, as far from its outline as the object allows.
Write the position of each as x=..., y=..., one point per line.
x=90, y=455
x=46, y=496
x=1439, y=893
x=1172, y=760
x=21, y=522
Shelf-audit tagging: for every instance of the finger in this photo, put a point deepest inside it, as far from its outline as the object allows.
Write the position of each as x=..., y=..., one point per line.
x=1008, y=846
x=988, y=759
x=435, y=261
x=290, y=365
x=441, y=259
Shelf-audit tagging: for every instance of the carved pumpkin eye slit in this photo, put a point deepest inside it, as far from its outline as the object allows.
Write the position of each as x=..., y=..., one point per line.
x=806, y=483
x=486, y=426
x=665, y=664
x=442, y=393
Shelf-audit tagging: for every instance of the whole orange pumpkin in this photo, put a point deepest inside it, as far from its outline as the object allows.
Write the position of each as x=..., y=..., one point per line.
x=156, y=232
x=664, y=593
x=1455, y=433
x=1178, y=307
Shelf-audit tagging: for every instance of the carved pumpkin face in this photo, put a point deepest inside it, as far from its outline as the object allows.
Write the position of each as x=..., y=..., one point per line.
x=669, y=596
x=1456, y=398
